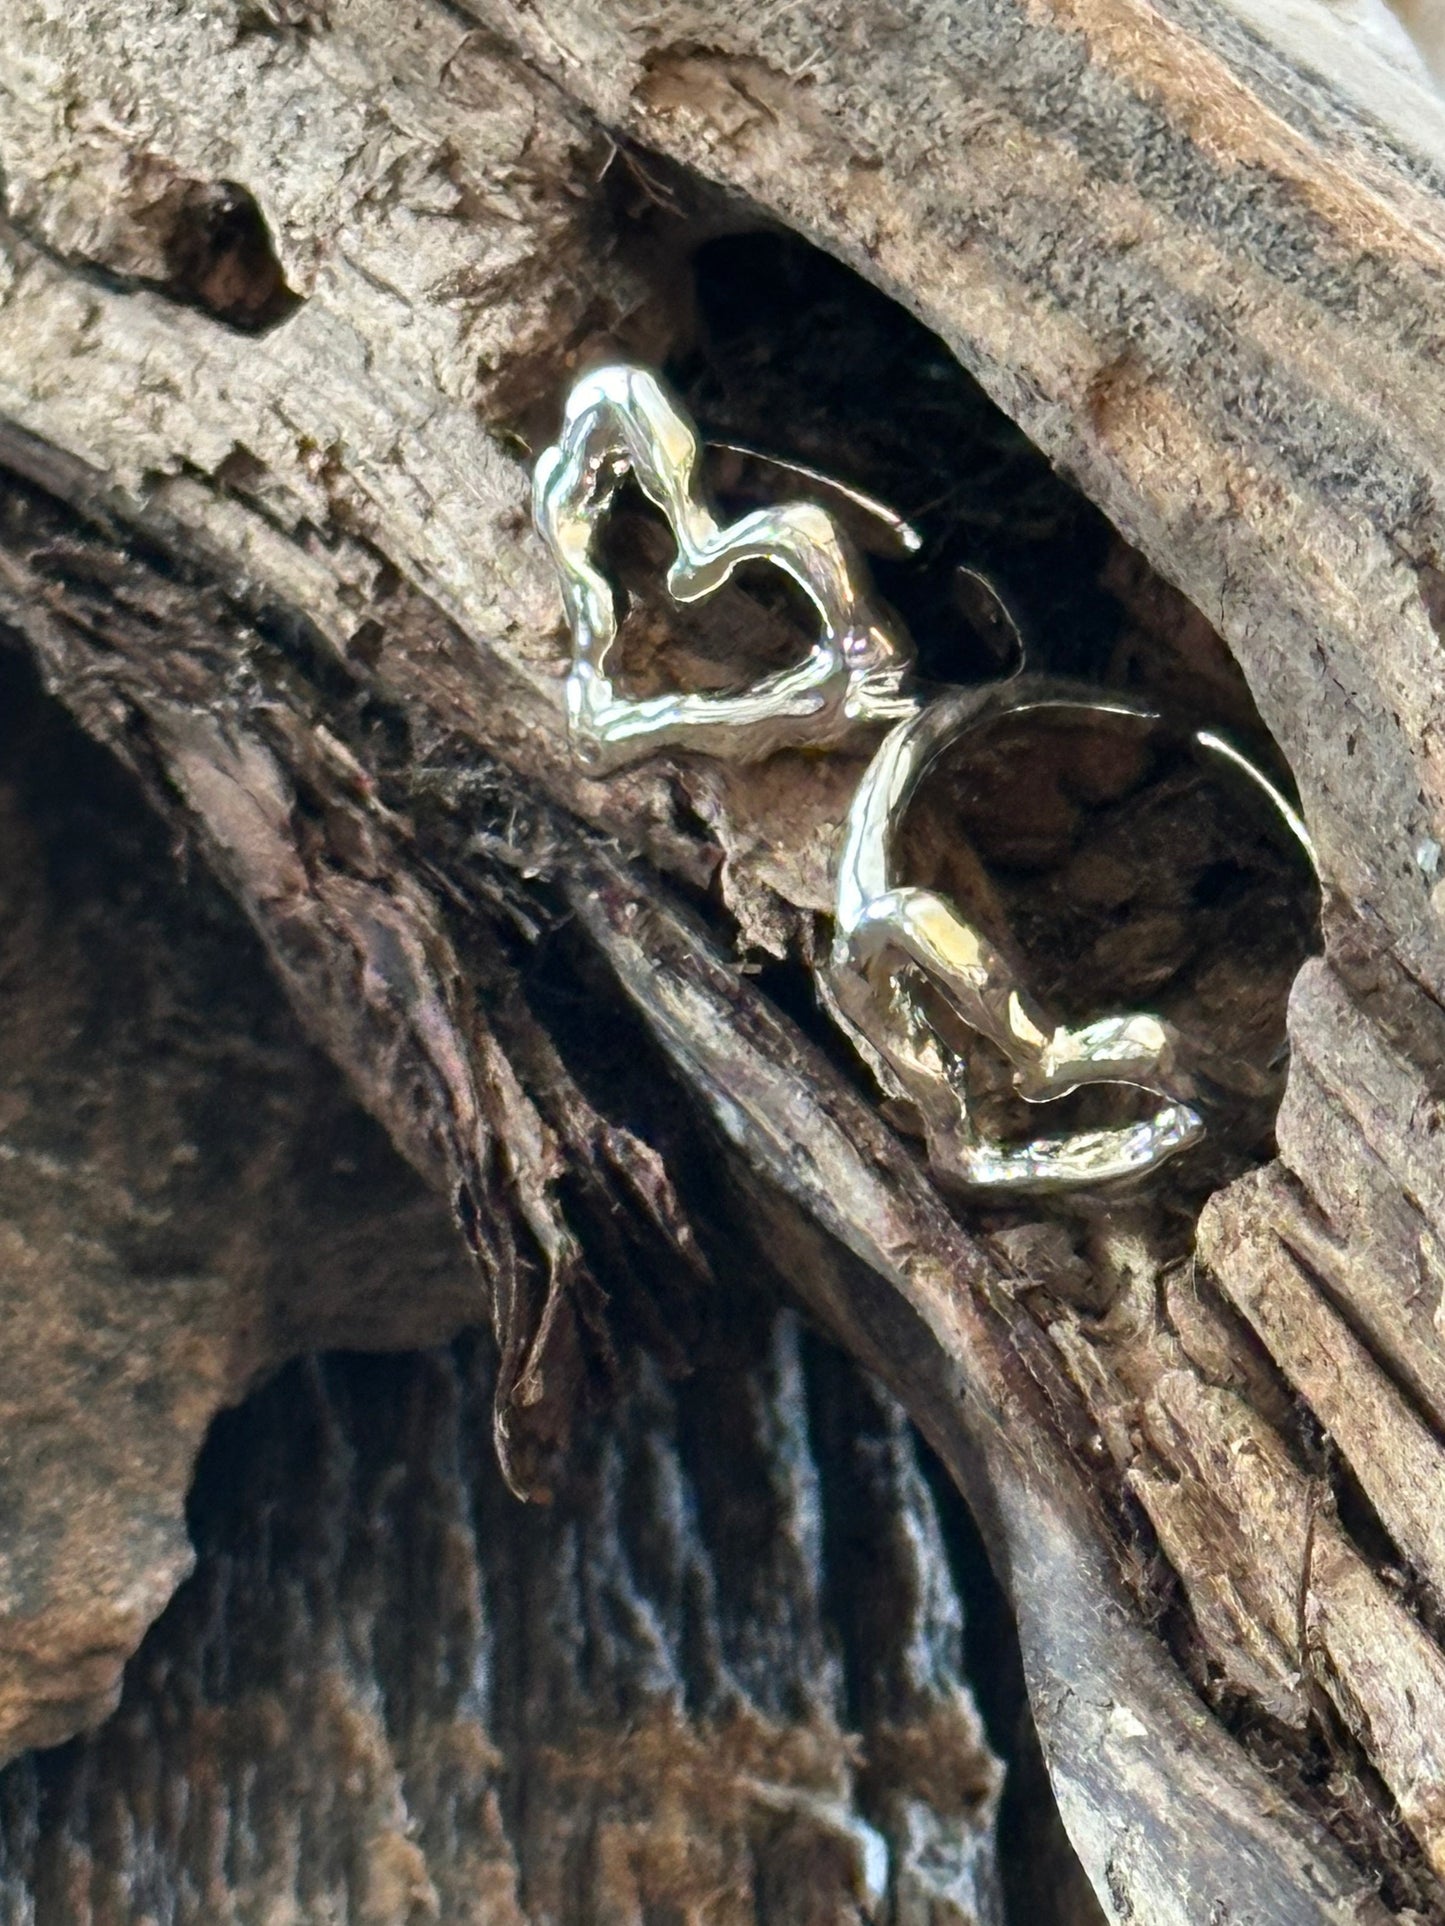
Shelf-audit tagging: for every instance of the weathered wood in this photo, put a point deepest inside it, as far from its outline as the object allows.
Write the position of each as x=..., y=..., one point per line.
x=169, y=1233
x=1204, y=277
x=987, y=1392
x=388, y=1687
x=1204, y=280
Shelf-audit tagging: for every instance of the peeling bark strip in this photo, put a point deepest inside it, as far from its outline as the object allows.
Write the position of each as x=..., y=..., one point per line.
x=262, y=398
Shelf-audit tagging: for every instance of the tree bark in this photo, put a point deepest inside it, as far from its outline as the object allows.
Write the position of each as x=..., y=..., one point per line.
x=290, y=294
x=726, y=1670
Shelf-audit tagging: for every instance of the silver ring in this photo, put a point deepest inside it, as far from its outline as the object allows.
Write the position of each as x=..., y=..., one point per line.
x=891, y=939
x=621, y=421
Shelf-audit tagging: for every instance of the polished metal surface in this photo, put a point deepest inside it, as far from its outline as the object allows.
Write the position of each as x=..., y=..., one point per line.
x=901, y=537
x=621, y=421
x=903, y=960
x=893, y=944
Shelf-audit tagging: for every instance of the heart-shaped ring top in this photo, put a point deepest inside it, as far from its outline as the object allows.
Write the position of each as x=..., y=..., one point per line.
x=890, y=939
x=620, y=420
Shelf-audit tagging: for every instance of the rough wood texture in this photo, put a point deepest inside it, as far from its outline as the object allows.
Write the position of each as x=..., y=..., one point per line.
x=726, y=1671
x=392, y=1694
x=265, y=403
x=169, y=1230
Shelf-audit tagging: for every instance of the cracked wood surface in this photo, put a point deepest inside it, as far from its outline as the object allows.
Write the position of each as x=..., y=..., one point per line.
x=388, y=1691
x=1205, y=280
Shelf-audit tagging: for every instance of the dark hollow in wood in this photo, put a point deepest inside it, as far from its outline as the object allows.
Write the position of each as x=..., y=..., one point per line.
x=287, y=577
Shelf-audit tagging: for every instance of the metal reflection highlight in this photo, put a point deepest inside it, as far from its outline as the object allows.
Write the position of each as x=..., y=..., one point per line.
x=620, y=421
x=896, y=947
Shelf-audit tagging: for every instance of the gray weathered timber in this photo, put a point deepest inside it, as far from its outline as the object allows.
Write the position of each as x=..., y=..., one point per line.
x=1117, y=1738
x=1205, y=278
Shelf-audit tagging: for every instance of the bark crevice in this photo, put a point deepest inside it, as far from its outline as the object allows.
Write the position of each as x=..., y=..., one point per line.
x=286, y=576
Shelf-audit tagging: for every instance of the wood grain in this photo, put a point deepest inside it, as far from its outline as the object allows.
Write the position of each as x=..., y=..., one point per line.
x=268, y=539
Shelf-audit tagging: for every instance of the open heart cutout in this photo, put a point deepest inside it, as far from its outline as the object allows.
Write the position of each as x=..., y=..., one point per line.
x=890, y=939
x=619, y=421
